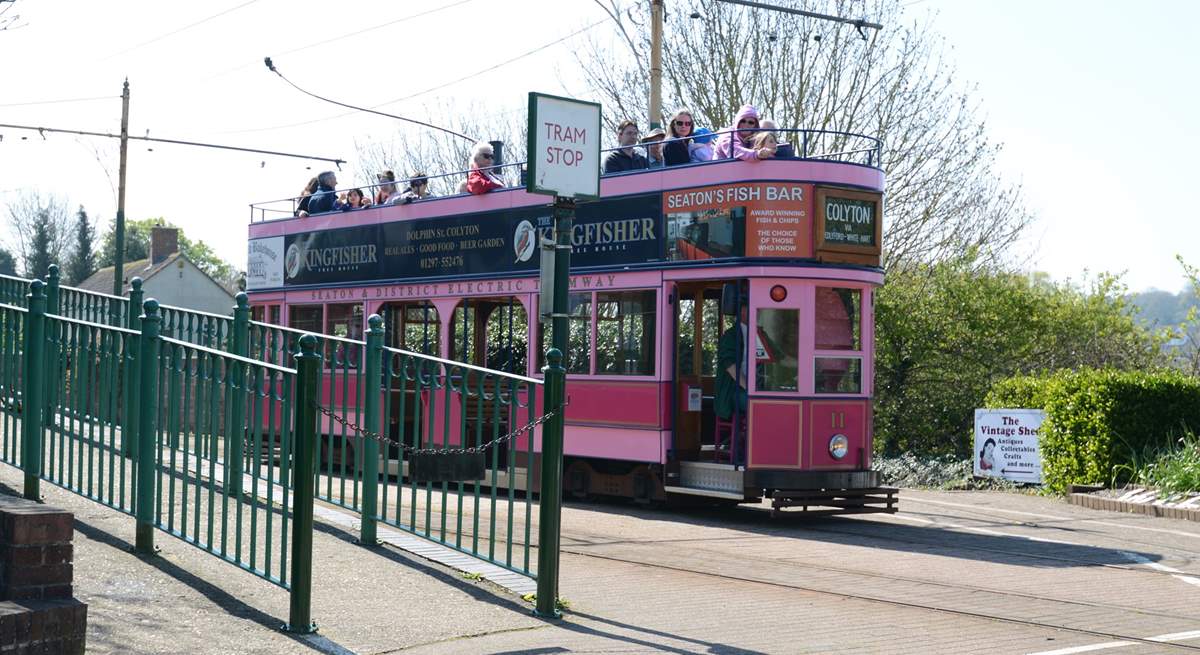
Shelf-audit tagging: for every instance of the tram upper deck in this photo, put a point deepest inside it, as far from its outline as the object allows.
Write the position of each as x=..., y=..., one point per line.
x=819, y=210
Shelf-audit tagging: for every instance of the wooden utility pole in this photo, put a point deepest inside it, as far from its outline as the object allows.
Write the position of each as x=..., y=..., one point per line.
x=119, y=232
x=656, y=32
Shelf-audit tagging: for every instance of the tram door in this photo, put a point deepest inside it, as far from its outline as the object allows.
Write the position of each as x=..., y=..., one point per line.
x=698, y=326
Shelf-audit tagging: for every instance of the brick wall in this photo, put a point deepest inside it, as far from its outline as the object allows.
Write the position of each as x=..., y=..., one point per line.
x=37, y=612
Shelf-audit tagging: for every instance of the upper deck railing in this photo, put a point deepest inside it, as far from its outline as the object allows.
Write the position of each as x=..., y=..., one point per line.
x=794, y=145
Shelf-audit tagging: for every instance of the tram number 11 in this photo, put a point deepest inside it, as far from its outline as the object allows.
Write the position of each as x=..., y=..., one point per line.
x=837, y=419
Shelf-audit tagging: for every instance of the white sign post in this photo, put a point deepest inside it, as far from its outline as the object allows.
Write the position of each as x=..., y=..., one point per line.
x=1006, y=444
x=563, y=147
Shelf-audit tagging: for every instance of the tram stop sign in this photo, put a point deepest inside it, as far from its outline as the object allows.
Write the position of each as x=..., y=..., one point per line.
x=563, y=147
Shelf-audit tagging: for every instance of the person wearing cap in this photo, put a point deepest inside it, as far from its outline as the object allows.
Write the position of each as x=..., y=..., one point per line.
x=625, y=158
x=700, y=149
x=654, y=147
x=736, y=142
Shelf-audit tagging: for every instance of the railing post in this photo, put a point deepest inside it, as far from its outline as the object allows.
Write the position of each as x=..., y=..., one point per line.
x=372, y=382
x=52, y=283
x=35, y=383
x=147, y=418
x=239, y=345
x=308, y=369
x=133, y=320
x=129, y=376
x=550, y=509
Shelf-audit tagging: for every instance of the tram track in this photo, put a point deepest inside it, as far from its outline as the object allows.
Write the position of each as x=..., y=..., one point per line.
x=924, y=581
x=1102, y=634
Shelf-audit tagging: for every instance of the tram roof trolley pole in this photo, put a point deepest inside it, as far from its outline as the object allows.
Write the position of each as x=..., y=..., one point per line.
x=564, y=161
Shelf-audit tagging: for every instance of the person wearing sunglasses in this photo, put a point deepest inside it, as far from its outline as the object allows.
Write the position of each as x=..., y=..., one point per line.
x=679, y=149
x=737, y=141
x=482, y=178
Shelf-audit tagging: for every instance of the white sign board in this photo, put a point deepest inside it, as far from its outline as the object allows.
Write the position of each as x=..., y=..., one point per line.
x=1006, y=444
x=264, y=263
x=563, y=147
x=695, y=399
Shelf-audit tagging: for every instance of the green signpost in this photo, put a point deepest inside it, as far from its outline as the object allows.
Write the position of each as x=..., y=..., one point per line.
x=564, y=161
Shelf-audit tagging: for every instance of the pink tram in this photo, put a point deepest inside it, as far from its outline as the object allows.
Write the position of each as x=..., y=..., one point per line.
x=666, y=267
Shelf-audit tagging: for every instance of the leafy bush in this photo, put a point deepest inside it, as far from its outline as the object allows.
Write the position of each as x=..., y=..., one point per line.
x=946, y=333
x=1172, y=470
x=1099, y=422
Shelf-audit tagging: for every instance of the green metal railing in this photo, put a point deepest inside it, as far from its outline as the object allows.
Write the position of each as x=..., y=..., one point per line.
x=207, y=427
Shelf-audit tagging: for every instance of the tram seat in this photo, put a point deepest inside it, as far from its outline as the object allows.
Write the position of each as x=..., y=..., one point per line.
x=723, y=437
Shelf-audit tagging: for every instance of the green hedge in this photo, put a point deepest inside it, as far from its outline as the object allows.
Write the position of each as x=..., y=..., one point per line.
x=1099, y=421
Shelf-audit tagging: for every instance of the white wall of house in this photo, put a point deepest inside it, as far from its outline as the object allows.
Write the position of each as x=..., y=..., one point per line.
x=183, y=285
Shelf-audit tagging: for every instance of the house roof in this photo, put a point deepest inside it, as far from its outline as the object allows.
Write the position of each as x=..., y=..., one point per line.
x=102, y=280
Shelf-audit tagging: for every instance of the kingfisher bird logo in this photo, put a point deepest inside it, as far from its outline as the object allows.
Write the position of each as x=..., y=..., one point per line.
x=293, y=260
x=524, y=241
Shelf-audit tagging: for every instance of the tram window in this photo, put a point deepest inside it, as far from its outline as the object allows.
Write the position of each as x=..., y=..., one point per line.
x=686, y=344
x=344, y=320
x=257, y=312
x=500, y=324
x=776, y=349
x=414, y=327
x=579, y=335
x=273, y=315
x=837, y=375
x=625, y=333
x=306, y=318
x=710, y=331
x=508, y=337
x=838, y=323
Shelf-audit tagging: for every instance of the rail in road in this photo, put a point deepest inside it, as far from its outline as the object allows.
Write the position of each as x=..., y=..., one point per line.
x=1098, y=584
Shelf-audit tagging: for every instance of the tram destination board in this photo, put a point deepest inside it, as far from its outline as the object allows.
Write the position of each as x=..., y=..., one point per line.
x=847, y=225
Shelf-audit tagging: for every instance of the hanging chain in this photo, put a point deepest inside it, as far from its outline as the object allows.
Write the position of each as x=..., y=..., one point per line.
x=365, y=433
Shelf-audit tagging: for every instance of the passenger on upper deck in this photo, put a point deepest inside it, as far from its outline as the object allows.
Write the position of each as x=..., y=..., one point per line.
x=736, y=142
x=680, y=151
x=625, y=158
x=305, y=196
x=386, y=192
x=654, y=147
x=418, y=188
x=701, y=147
x=354, y=199
x=767, y=141
x=479, y=180
x=325, y=199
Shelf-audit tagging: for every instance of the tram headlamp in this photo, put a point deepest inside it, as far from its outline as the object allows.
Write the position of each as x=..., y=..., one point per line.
x=839, y=445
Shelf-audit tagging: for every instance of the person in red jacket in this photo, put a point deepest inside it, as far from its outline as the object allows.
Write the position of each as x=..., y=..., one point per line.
x=482, y=178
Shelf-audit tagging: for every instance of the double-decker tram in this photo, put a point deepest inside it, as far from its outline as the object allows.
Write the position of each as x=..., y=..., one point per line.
x=720, y=316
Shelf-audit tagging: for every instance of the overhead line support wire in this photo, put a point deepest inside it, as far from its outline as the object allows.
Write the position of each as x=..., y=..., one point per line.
x=856, y=22
x=429, y=90
x=179, y=142
x=271, y=67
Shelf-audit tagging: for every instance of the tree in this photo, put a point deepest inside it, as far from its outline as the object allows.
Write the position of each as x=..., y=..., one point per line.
x=40, y=226
x=137, y=247
x=83, y=257
x=421, y=150
x=943, y=195
x=945, y=333
x=8, y=263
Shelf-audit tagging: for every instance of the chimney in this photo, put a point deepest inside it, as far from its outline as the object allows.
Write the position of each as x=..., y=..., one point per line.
x=164, y=241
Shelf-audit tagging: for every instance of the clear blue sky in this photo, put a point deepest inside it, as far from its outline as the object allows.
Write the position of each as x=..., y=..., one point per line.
x=1094, y=101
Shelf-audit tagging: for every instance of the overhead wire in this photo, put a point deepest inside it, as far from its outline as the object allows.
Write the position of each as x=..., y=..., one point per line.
x=109, y=135
x=56, y=102
x=182, y=29
x=420, y=93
